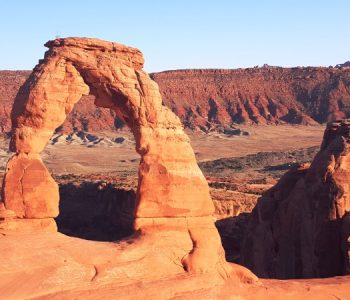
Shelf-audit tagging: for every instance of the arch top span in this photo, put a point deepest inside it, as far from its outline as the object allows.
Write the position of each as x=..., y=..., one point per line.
x=132, y=56
x=73, y=67
x=172, y=191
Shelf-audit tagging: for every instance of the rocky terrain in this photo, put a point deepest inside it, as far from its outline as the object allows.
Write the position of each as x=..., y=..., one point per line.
x=270, y=95
x=105, y=204
x=102, y=187
x=218, y=100
x=146, y=229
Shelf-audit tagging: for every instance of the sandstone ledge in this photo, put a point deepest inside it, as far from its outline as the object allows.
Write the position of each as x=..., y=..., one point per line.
x=54, y=266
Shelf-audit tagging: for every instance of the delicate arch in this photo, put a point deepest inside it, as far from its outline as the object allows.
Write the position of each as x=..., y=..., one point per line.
x=171, y=184
x=172, y=190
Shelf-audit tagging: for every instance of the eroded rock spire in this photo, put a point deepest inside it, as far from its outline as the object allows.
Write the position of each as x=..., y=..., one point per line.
x=300, y=227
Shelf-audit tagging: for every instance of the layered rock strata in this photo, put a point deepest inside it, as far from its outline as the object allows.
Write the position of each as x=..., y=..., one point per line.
x=300, y=227
x=215, y=99
x=172, y=192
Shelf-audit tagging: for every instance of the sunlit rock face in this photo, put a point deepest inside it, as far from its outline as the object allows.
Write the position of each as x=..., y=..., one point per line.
x=172, y=191
x=300, y=227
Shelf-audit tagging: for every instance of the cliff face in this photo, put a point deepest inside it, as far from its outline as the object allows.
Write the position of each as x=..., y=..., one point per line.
x=213, y=99
x=260, y=95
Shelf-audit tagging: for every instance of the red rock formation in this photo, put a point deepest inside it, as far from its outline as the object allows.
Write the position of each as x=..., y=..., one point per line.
x=55, y=266
x=29, y=190
x=172, y=192
x=300, y=227
x=207, y=99
x=260, y=95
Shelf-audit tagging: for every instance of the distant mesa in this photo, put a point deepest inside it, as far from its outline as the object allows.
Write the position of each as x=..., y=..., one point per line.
x=302, y=95
x=205, y=99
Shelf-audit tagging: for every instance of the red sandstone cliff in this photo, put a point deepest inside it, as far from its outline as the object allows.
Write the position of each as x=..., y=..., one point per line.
x=207, y=99
x=258, y=95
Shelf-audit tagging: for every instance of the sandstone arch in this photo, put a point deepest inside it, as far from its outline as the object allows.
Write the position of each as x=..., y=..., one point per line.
x=172, y=191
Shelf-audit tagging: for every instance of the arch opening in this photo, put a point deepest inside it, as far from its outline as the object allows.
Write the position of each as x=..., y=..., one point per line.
x=98, y=207
x=96, y=211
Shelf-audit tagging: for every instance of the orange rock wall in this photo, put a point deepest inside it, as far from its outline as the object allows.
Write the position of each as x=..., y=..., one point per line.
x=207, y=99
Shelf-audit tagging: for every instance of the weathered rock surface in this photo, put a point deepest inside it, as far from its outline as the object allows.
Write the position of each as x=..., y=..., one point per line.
x=215, y=99
x=300, y=228
x=172, y=193
x=53, y=266
x=29, y=189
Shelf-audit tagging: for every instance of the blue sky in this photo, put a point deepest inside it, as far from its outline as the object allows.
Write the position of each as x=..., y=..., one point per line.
x=176, y=34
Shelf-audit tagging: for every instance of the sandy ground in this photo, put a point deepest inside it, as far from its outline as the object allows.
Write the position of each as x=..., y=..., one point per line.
x=262, y=138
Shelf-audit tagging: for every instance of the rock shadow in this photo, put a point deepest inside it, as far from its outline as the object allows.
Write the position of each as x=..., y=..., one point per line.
x=232, y=232
x=96, y=211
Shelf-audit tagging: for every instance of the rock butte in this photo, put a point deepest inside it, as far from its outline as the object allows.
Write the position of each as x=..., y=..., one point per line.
x=300, y=227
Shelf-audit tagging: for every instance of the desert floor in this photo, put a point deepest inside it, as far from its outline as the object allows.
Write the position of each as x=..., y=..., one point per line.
x=77, y=156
